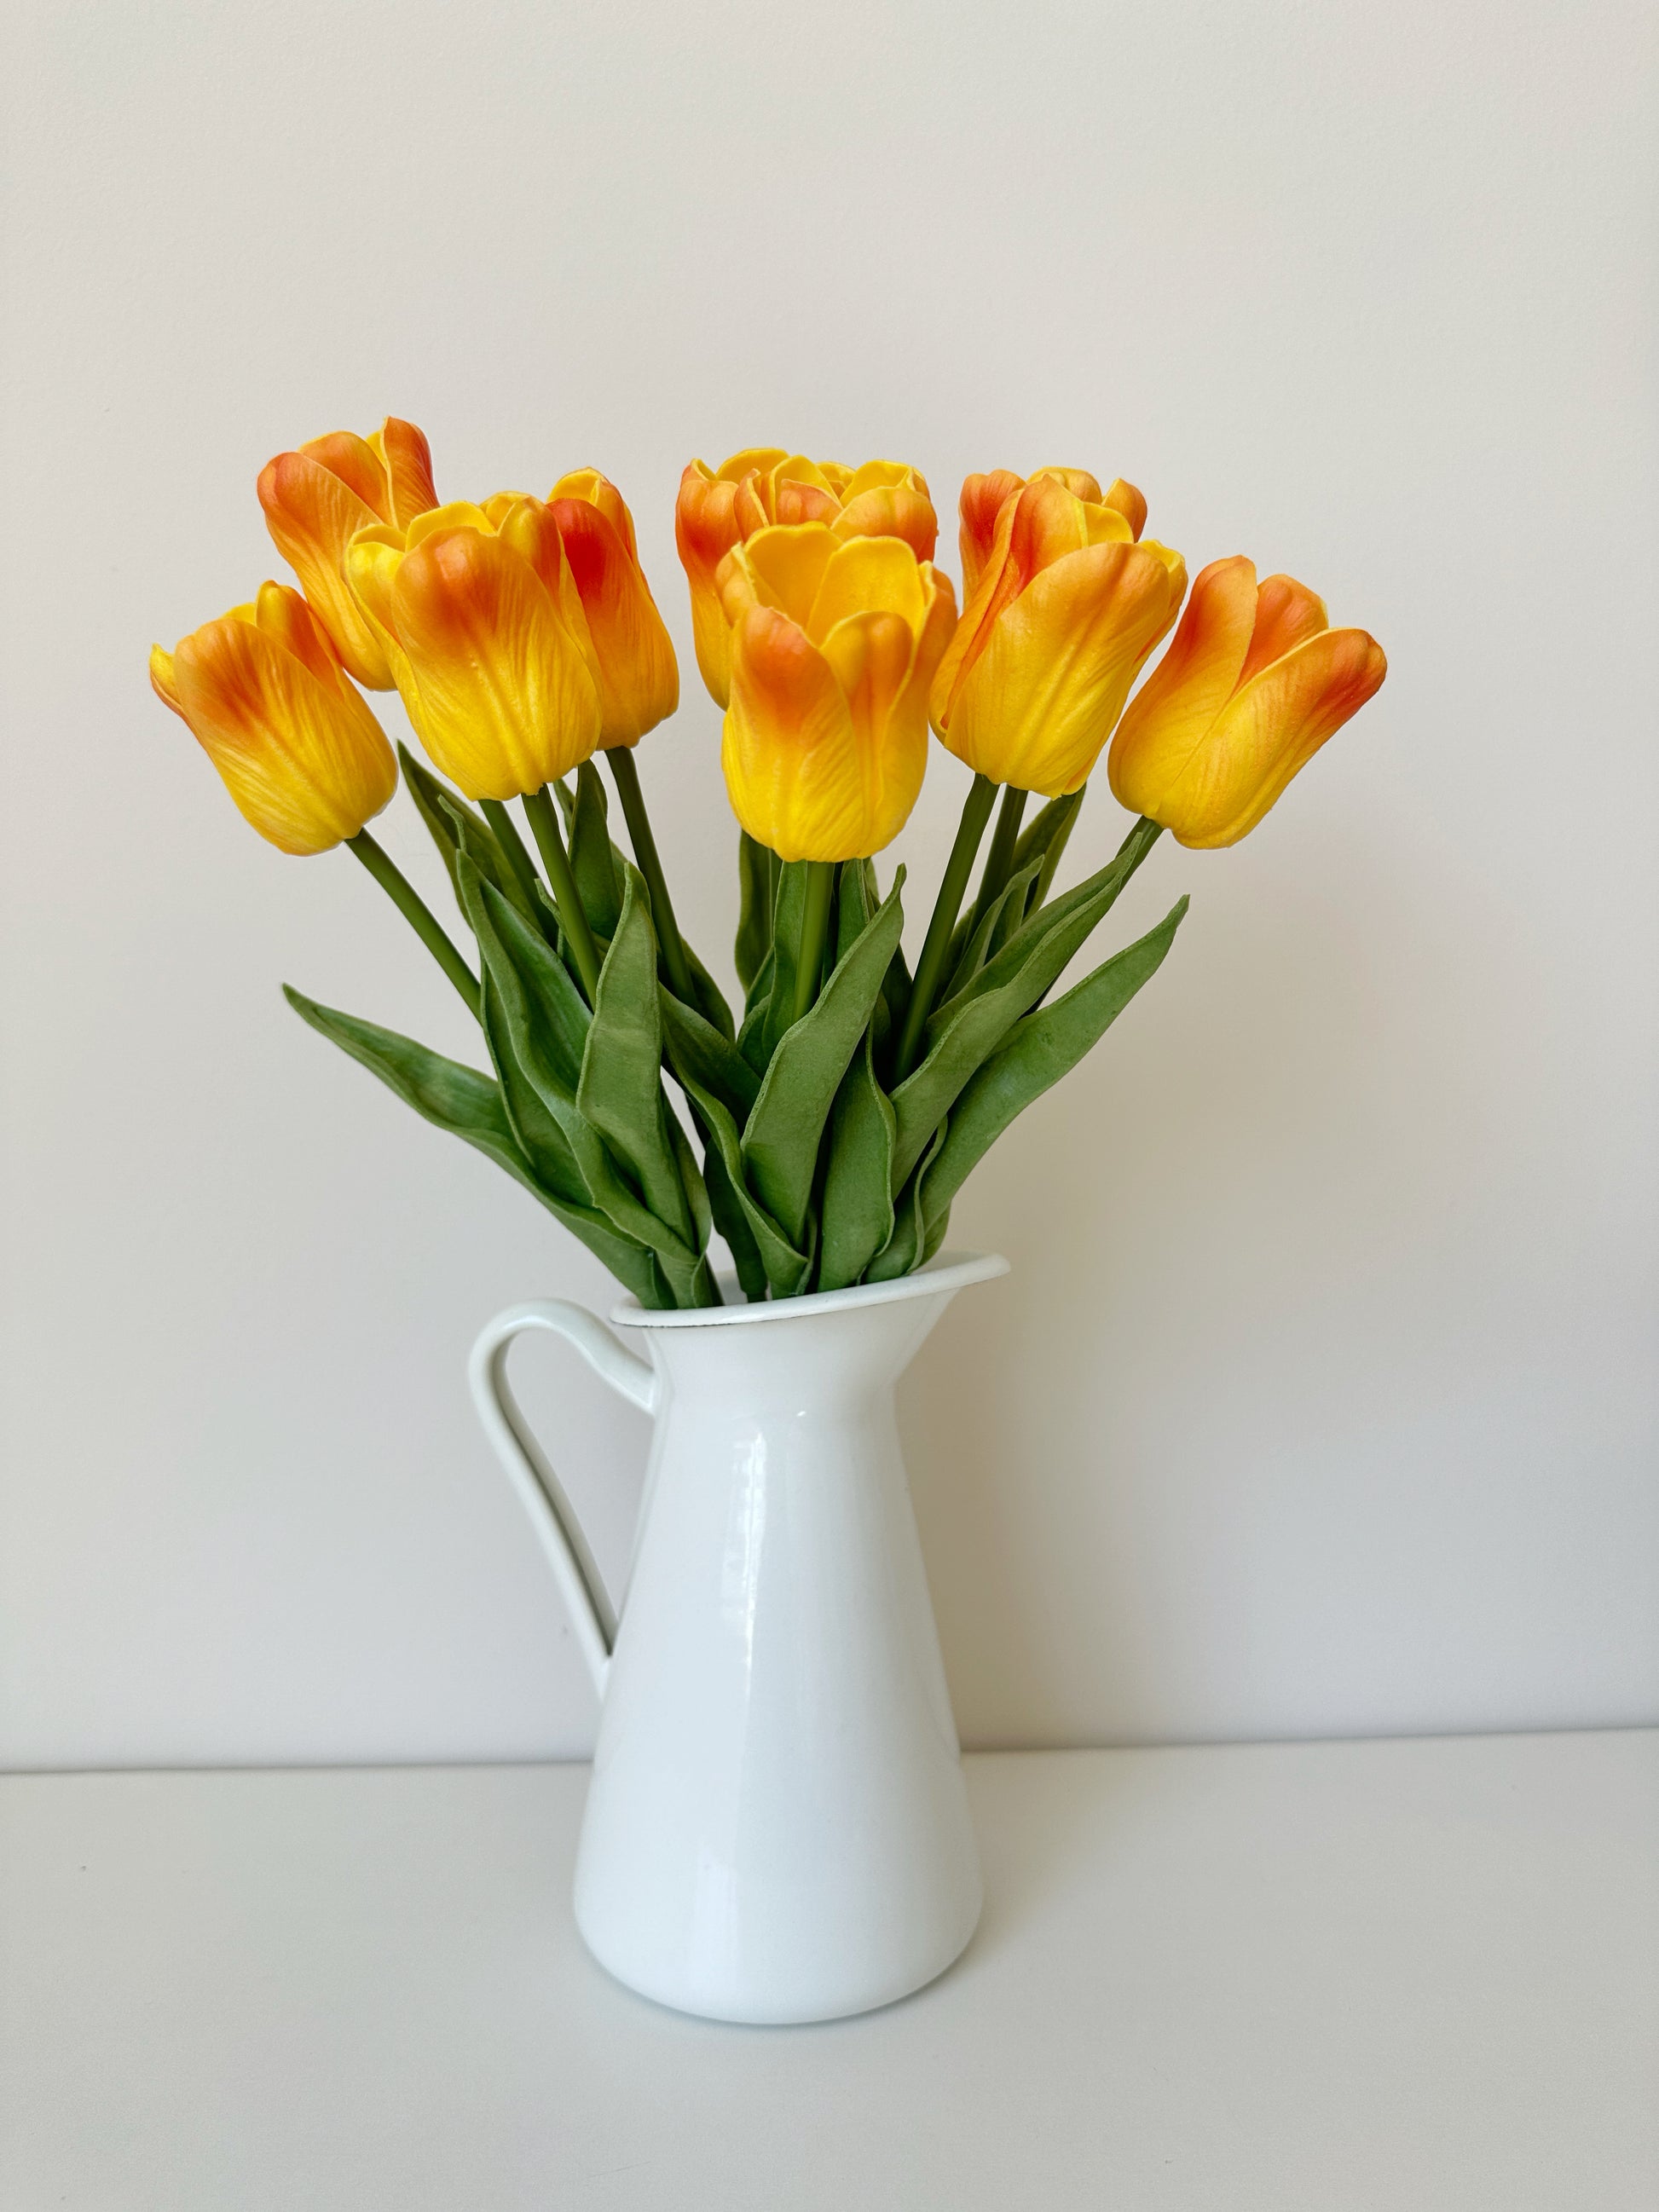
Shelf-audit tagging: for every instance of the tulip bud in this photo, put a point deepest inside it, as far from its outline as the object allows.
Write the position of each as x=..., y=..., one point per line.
x=263, y=691
x=1066, y=604
x=834, y=645
x=639, y=677
x=720, y=508
x=478, y=616
x=315, y=502
x=1253, y=684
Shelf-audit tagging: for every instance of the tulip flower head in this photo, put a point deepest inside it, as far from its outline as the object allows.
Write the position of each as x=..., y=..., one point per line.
x=480, y=618
x=720, y=508
x=315, y=500
x=834, y=644
x=1066, y=603
x=263, y=691
x=639, y=677
x=1253, y=684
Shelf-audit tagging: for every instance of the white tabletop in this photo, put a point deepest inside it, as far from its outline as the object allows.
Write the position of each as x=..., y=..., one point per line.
x=1403, y=1975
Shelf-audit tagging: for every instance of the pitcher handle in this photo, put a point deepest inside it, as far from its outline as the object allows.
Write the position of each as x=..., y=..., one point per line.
x=539, y=1487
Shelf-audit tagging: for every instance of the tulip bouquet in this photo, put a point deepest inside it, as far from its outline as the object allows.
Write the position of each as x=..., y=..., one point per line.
x=838, y=1114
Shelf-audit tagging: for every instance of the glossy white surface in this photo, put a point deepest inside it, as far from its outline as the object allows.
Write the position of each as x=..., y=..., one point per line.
x=777, y=1829
x=1330, y=1977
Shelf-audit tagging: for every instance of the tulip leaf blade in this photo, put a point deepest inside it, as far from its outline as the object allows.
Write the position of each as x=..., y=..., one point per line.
x=1044, y=838
x=1038, y=1051
x=906, y=1249
x=784, y=1269
x=694, y=1048
x=594, y=857
x=858, y=1202
x=620, y=1092
x=470, y=1105
x=782, y=1138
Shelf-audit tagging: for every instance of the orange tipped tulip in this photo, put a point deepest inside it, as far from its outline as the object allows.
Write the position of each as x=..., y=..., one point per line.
x=720, y=508
x=317, y=498
x=1253, y=684
x=263, y=691
x=834, y=645
x=478, y=613
x=639, y=677
x=1066, y=604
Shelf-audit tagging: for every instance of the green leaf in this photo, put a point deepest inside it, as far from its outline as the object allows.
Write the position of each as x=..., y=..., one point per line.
x=858, y=1203
x=751, y=1033
x=785, y=1268
x=781, y=1139
x=729, y=1215
x=754, y=913
x=968, y=1028
x=711, y=1000
x=788, y=914
x=621, y=1091
x=976, y=947
x=697, y=1049
x=469, y=1105
x=594, y=859
x=527, y=1009
x=433, y=801
x=477, y=843
x=1041, y=1048
x=1044, y=837
x=904, y=1251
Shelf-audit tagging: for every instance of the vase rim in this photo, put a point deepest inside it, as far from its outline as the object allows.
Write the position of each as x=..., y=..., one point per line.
x=947, y=1271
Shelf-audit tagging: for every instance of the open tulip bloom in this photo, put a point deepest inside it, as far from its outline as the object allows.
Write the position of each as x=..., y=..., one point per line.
x=825, y=1128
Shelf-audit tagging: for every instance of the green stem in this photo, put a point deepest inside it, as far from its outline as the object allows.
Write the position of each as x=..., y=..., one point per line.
x=930, y=968
x=626, y=776
x=999, y=860
x=814, y=929
x=550, y=843
x=419, y=915
x=513, y=850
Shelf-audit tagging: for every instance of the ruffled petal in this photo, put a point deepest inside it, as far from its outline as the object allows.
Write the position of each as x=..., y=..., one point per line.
x=782, y=567
x=867, y=574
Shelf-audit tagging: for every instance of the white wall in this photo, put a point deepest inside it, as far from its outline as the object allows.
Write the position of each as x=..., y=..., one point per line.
x=1321, y=1397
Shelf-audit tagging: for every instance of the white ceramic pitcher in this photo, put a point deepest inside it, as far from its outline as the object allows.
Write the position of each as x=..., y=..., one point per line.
x=776, y=1828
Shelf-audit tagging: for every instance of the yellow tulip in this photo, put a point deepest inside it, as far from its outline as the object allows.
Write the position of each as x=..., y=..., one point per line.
x=263, y=691
x=720, y=508
x=1253, y=684
x=1066, y=604
x=834, y=645
x=983, y=499
x=639, y=677
x=315, y=500
x=479, y=615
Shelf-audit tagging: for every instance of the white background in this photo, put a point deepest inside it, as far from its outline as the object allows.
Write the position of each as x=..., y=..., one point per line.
x=1321, y=1397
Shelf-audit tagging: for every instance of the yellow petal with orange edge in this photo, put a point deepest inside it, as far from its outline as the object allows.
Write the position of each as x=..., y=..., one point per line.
x=787, y=748
x=1130, y=504
x=508, y=700
x=1287, y=614
x=781, y=566
x=408, y=461
x=283, y=615
x=312, y=516
x=983, y=498
x=892, y=511
x=459, y=514
x=597, y=491
x=1039, y=702
x=307, y=766
x=864, y=574
x=1170, y=717
x=1078, y=481
x=358, y=463
x=1267, y=732
x=638, y=679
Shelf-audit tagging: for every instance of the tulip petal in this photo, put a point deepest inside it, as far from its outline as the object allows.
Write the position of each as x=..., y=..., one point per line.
x=408, y=461
x=983, y=498
x=1129, y=503
x=1286, y=613
x=599, y=491
x=358, y=466
x=1269, y=731
x=1171, y=715
x=508, y=699
x=283, y=616
x=313, y=515
x=867, y=574
x=307, y=766
x=787, y=747
x=781, y=566
x=162, y=681
x=892, y=511
x=1078, y=481
x=1035, y=707
x=639, y=679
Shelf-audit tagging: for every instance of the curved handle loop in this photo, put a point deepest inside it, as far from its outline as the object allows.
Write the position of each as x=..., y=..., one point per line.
x=544, y=1499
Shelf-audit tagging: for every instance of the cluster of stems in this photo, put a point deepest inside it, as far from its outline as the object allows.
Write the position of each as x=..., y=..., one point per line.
x=543, y=817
